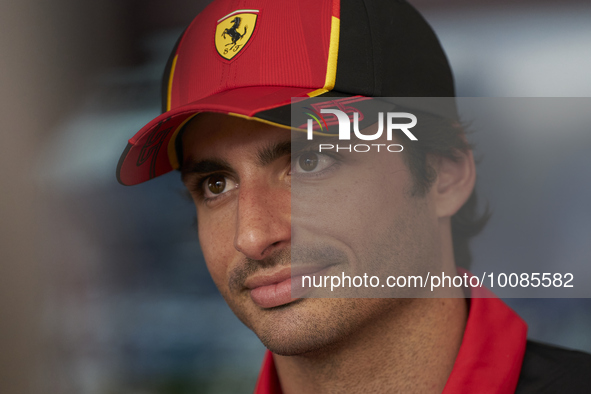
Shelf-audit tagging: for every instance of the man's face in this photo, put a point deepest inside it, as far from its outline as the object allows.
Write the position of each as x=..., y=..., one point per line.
x=350, y=213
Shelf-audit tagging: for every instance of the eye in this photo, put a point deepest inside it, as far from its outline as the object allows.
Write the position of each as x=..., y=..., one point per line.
x=216, y=185
x=311, y=162
x=308, y=161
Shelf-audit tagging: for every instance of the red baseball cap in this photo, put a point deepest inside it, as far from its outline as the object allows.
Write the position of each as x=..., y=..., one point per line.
x=249, y=59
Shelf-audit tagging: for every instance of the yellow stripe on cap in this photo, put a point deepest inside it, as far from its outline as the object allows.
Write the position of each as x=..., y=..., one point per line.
x=333, y=54
x=170, y=77
x=269, y=122
x=172, y=156
x=333, y=57
x=265, y=121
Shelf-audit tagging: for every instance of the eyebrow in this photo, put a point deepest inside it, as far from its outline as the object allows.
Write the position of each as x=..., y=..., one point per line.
x=203, y=167
x=300, y=143
x=270, y=153
x=264, y=156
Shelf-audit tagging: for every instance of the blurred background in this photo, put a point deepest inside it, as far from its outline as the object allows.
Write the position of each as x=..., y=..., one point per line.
x=103, y=288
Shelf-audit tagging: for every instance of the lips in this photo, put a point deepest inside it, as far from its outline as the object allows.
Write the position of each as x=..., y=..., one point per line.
x=272, y=290
x=272, y=295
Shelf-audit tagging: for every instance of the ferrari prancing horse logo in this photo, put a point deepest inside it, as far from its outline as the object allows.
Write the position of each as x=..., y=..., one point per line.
x=233, y=32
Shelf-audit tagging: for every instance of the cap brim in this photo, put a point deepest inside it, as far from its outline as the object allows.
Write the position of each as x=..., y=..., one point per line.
x=151, y=151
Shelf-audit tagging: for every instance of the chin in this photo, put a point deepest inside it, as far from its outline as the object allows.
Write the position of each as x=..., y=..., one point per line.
x=294, y=342
x=306, y=327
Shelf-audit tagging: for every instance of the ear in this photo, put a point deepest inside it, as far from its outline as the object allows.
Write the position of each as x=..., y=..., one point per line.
x=454, y=184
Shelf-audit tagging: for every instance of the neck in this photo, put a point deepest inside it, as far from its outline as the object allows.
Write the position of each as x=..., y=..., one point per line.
x=410, y=349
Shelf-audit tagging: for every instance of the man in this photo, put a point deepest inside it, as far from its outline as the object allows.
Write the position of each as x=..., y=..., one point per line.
x=270, y=208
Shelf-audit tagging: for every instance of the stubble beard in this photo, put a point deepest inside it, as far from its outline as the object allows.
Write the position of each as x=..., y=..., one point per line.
x=316, y=326
x=306, y=326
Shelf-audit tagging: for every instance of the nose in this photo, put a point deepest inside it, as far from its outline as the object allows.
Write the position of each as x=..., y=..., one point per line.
x=264, y=220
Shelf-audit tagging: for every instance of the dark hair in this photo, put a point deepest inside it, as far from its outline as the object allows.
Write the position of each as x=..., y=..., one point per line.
x=444, y=138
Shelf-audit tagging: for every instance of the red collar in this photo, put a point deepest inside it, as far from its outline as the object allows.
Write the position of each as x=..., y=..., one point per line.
x=489, y=360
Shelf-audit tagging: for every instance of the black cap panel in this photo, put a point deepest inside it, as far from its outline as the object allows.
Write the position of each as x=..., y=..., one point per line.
x=355, y=65
x=386, y=49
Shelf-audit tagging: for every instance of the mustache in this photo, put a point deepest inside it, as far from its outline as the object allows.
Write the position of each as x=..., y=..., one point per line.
x=300, y=255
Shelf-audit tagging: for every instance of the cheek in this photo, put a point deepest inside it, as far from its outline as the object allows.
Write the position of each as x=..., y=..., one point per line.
x=216, y=237
x=355, y=204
